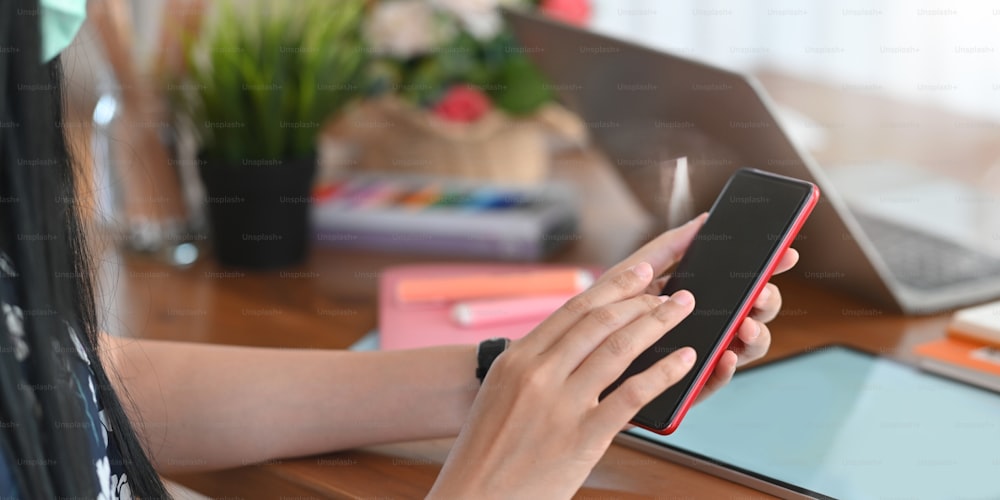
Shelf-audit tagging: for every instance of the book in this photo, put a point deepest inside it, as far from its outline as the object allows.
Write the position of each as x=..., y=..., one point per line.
x=978, y=324
x=971, y=350
x=410, y=325
x=968, y=361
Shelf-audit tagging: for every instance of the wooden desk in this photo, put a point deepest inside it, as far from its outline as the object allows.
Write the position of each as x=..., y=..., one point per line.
x=811, y=317
x=329, y=304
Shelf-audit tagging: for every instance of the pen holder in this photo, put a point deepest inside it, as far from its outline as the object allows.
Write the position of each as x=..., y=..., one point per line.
x=259, y=212
x=140, y=200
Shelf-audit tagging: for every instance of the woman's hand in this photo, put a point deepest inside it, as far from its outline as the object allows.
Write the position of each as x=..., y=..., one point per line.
x=753, y=338
x=536, y=428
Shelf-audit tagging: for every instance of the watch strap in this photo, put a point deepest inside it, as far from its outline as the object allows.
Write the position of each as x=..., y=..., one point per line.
x=487, y=353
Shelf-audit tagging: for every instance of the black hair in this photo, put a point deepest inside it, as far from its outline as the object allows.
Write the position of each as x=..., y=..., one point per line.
x=40, y=228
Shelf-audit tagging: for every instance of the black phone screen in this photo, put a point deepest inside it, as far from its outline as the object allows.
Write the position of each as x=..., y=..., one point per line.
x=721, y=267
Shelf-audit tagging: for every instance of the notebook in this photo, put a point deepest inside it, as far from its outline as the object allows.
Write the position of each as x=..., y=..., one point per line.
x=971, y=350
x=410, y=326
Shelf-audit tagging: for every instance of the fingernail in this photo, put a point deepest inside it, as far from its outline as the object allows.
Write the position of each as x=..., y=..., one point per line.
x=764, y=294
x=756, y=331
x=687, y=355
x=663, y=298
x=642, y=270
x=683, y=298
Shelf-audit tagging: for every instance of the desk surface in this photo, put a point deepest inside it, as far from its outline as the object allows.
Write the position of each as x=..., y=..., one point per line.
x=329, y=303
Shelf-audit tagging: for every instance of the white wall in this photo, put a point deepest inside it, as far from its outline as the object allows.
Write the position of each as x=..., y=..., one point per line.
x=939, y=51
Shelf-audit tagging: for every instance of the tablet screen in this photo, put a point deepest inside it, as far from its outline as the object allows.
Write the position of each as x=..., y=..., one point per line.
x=850, y=425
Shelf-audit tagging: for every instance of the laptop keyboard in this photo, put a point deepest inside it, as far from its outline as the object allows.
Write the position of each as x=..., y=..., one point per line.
x=923, y=261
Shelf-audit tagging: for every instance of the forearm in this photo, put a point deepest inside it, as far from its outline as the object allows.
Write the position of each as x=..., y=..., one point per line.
x=206, y=406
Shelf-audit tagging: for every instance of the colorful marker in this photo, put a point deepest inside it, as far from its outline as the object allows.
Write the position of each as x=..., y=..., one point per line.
x=422, y=197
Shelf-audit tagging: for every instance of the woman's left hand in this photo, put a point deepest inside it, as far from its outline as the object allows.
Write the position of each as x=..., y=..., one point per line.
x=753, y=338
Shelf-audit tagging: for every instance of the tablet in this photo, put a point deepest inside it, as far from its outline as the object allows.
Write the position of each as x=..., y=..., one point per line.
x=840, y=423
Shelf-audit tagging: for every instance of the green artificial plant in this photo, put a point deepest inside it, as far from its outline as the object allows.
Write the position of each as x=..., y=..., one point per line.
x=264, y=76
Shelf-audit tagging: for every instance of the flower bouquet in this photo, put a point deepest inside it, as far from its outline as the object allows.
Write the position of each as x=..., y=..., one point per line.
x=455, y=94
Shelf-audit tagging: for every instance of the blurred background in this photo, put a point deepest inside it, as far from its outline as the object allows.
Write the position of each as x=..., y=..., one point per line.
x=951, y=44
x=941, y=52
x=439, y=89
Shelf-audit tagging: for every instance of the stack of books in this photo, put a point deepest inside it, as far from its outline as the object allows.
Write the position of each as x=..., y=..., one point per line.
x=423, y=305
x=971, y=350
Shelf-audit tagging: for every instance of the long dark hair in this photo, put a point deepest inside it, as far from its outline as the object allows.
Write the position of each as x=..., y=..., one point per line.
x=40, y=227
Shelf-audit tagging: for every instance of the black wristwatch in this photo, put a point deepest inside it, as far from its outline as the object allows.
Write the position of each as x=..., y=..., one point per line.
x=487, y=352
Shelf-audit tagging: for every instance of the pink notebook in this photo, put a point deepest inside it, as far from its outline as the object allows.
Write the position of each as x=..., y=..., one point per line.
x=409, y=326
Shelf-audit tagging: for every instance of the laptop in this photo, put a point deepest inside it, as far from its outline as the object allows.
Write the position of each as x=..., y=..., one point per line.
x=646, y=107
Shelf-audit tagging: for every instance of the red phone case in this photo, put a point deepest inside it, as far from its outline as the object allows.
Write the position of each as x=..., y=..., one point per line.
x=723, y=344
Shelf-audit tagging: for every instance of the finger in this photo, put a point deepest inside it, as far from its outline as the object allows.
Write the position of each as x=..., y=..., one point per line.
x=664, y=251
x=610, y=359
x=623, y=403
x=656, y=287
x=752, y=341
x=622, y=285
x=720, y=376
x=768, y=304
x=596, y=326
x=788, y=261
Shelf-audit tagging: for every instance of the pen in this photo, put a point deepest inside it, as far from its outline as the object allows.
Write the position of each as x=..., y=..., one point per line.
x=489, y=312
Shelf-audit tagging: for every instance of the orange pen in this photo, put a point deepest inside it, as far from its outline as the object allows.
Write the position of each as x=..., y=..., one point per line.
x=549, y=282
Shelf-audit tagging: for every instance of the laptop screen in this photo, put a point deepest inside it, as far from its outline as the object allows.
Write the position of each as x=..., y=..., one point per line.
x=850, y=425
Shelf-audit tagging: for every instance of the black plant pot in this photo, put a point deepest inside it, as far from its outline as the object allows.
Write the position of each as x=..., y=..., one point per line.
x=259, y=210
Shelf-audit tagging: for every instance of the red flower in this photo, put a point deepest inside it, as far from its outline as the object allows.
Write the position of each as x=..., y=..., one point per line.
x=576, y=12
x=462, y=103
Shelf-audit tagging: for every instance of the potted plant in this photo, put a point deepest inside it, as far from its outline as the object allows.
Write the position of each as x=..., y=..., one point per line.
x=258, y=84
x=458, y=95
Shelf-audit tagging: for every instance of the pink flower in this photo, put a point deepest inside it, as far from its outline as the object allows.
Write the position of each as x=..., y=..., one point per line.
x=463, y=104
x=404, y=29
x=480, y=18
x=576, y=12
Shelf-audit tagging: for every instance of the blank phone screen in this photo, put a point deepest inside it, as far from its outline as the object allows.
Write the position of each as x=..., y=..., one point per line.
x=722, y=266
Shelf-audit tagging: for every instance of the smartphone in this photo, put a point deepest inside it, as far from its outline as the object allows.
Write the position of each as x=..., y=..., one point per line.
x=729, y=262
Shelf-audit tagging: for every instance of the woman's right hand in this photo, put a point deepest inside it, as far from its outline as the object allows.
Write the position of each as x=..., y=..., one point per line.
x=537, y=428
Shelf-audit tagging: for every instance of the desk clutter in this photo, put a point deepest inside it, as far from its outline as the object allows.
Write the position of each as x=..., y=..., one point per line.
x=442, y=216
x=971, y=350
x=443, y=304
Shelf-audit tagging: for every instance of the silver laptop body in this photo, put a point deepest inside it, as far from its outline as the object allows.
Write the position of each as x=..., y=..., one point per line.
x=644, y=107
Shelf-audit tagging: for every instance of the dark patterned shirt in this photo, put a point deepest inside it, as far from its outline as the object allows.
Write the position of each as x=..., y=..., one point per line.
x=104, y=453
